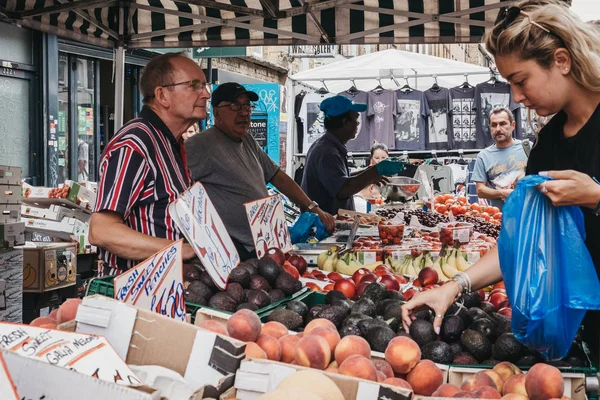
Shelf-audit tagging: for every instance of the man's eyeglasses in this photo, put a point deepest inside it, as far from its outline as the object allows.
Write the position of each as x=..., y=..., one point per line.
x=195, y=84
x=238, y=106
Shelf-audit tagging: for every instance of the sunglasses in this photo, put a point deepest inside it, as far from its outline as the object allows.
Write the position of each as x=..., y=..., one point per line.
x=507, y=16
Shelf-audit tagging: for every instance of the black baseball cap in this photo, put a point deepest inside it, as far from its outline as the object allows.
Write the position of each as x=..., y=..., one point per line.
x=229, y=92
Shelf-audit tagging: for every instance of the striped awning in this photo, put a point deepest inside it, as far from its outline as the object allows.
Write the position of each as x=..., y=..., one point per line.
x=199, y=23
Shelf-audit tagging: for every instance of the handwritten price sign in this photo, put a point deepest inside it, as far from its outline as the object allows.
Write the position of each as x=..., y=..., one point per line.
x=197, y=218
x=8, y=391
x=87, y=354
x=268, y=225
x=155, y=284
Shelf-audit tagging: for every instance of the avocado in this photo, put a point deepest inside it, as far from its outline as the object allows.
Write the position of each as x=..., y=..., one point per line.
x=258, y=297
x=452, y=327
x=394, y=295
x=258, y=282
x=222, y=301
x=438, y=352
x=241, y=276
x=364, y=306
x=374, y=292
x=394, y=323
x=527, y=361
x=402, y=332
x=334, y=295
x=196, y=291
x=487, y=327
x=236, y=292
x=207, y=280
x=471, y=300
x=290, y=319
x=247, y=306
x=477, y=344
x=335, y=314
x=477, y=313
x=487, y=307
x=298, y=307
x=191, y=272
x=393, y=310
x=456, y=348
x=344, y=304
x=461, y=311
x=426, y=314
x=508, y=348
x=576, y=362
x=287, y=283
x=383, y=304
x=348, y=330
x=269, y=269
x=276, y=295
x=502, y=323
x=491, y=362
x=354, y=319
x=559, y=363
x=251, y=268
x=367, y=324
x=379, y=337
x=314, y=312
x=422, y=332
x=464, y=359
x=253, y=262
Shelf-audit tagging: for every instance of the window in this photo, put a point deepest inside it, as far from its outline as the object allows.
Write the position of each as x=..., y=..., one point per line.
x=256, y=51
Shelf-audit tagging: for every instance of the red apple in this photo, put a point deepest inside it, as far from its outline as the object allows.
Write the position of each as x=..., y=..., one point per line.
x=417, y=283
x=276, y=254
x=356, y=277
x=314, y=287
x=409, y=294
x=321, y=277
x=335, y=276
x=499, y=285
x=361, y=288
x=382, y=270
x=481, y=294
x=346, y=286
x=497, y=298
x=498, y=291
x=328, y=287
x=506, y=311
x=401, y=280
x=428, y=276
x=290, y=269
x=299, y=262
x=389, y=282
x=504, y=304
x=368, y=278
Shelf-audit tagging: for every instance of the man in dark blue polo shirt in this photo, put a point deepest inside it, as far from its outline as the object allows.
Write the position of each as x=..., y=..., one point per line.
x=327, y=178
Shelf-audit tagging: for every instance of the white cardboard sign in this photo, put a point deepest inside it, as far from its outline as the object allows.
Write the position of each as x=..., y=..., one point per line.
x=155, y=284
x=268, y=225
x=87, y=354
x=8, y=390
x=197, y=218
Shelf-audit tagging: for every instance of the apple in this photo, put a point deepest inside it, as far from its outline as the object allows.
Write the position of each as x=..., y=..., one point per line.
x=481, y=293
x=417, y=283
x=346, y=286
x=276, y=254
x=382, y=270
x=299, y=262
x=497, y=298
x=401, y=280
x=428, y=276
x=499, y=285
x=368, y=278
x=314, y=287
x=506, y=311
x=389, y=282
x=290, y=269
x=409, y=294
x=498, y=291
x=361, y=288
x=335, y=276
x=356, y=277
x=328, y=287
x=504, y=304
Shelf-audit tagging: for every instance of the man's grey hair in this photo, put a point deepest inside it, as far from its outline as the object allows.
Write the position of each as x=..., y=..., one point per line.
x=498, y=110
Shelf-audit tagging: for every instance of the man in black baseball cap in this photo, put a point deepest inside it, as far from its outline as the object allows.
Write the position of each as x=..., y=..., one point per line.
x=235, y=170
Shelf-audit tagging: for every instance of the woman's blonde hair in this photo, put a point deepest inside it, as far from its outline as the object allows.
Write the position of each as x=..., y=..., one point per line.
x=527, y=37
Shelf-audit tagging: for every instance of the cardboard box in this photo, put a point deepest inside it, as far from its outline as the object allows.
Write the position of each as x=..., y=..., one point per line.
x=206, y=360
x=10, y=213
x=12, y=234
x=10, y=175
x=63, y=229
x=35, y=379
x=49, y=267
x=45, y=197
x=81, y=195
x=256, y=377
x=10, y=194
x=574, y=383
x=11, y=279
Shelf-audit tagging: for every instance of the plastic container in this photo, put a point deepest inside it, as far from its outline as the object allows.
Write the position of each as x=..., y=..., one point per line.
x=456, y=233
x=391, y=233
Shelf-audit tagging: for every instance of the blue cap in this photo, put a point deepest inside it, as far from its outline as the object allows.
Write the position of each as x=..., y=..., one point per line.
x=338, y=105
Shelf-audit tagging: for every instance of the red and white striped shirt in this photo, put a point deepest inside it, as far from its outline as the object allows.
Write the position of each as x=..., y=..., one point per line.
x=143, y=169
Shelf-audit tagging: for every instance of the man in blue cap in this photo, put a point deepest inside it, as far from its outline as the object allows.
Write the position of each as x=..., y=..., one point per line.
x=327, y=178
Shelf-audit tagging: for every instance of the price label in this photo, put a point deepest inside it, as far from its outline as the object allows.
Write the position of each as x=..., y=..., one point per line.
x=461, y=235
x=268, y=225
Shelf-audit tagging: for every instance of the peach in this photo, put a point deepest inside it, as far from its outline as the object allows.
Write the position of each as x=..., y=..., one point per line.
x=43, y=321
x=381, y=376
x=402, y=354
x=486, y=392
x=515, y=384
x=331, y=335
x=359, y=367
x=275, y=329
x=446, y=390
x=506, y=369
x=254, y=351
x=333, y=370
x=463, y=394
x=544, y=382
x=425, y=378
x=244, y=325
x=316, y=323
x=351, y=345
x=67, y=310
x=54, y=314
x=398, y=382
x=270, y=345
x=384, y=367
x=480, y=379
x=47, y=326
x=288, y=345
x=313, y=351
x=514, y=396
x=496, y=378
x=214, y=326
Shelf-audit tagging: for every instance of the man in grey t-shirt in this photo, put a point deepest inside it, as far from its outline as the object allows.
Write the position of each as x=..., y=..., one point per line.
x=235, y=170
x=499, y=166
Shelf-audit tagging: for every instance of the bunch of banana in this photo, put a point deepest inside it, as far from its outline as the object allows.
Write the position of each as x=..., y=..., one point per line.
x=348, y=264
x=327, y=259
x=453, y=263
x=410, y=266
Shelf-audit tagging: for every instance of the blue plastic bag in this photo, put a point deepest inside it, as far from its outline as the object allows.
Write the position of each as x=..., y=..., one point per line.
x=301, y=230
x=549, y=274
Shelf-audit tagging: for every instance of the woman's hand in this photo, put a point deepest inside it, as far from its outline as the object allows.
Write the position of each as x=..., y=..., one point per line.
x=570, y=188
x=439, y=299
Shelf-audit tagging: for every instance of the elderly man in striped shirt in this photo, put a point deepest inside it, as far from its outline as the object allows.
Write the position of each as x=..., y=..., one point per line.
x=144, y=168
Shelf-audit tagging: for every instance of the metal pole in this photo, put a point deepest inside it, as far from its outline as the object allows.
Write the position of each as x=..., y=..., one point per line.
x=390, y=76
x=292, y=135
x=119, y=69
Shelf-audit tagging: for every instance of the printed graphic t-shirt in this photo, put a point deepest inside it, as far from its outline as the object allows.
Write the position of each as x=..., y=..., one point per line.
x=464, y=132
x=362, y=141
x=381, y=109
x=411, y=120
x=439, y=119
x=313, y=118
x=487, y=97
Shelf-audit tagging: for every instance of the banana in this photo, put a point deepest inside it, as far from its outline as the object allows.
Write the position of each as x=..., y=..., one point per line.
x=428, y=261
x=322, y=259
x=438, y=268
x=416, y=264
x=449, y=267
x=461, y=264
x=404, y=268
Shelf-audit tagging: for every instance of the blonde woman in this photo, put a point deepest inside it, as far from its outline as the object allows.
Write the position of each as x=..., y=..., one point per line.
x=552, y=61
x=379, y=152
